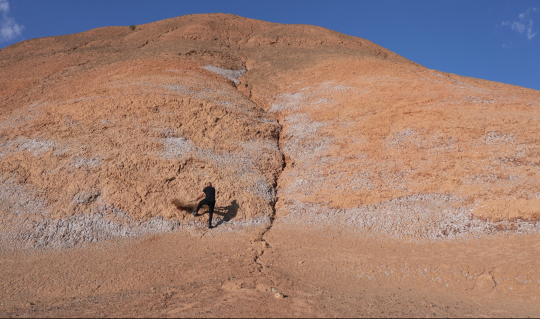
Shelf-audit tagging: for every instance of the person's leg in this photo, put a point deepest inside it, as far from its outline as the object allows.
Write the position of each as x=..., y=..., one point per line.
x=211, y=212
x=201, y=204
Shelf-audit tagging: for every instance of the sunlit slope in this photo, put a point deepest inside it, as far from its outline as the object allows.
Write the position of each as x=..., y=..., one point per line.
x=101, y=130
x=407, y=151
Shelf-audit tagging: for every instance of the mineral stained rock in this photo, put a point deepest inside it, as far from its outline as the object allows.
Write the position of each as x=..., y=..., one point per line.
x=101, y=133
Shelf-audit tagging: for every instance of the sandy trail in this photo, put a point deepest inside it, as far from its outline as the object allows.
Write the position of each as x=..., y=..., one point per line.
x=321, y=274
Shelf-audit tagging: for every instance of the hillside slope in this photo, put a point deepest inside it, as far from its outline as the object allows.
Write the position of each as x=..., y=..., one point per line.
x=351, y=182
x=102, y=130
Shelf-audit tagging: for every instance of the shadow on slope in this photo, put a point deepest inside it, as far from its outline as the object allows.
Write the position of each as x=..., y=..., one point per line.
x=227, y=213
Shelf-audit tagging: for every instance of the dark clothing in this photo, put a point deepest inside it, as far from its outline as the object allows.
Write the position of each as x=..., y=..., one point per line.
x=211, y=204
x=210, y=193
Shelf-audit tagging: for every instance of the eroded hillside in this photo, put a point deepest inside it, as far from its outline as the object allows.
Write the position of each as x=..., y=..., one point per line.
x=407, y=151
x=100, y=131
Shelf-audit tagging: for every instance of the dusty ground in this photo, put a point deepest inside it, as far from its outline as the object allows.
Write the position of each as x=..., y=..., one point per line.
x=351, y=181
x=320, y=274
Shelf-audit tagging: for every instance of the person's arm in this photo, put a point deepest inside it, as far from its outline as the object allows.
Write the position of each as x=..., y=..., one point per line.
x=201, y=196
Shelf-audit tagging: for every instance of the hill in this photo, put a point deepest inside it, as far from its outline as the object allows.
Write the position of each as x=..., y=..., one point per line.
x=309, y=136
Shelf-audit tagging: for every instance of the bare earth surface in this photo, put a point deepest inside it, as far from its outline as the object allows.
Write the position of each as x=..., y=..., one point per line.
x=322, y=274
x=351, y=181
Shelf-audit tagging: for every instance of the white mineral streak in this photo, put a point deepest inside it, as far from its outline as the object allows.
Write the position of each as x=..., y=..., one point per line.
x=86, y=163
x=308, y=97
x=35, y=146
x=232, y=75
x=416, y=217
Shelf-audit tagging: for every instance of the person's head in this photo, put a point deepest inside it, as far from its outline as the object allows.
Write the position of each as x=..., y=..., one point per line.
x=208, y=184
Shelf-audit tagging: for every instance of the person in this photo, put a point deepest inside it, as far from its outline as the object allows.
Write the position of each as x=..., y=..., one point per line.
x=209, y=194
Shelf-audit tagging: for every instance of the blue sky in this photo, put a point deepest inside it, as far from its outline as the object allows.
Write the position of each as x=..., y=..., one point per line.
x=487, y=39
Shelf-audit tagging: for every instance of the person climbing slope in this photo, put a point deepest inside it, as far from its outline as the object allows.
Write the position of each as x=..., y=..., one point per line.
x=209, y=194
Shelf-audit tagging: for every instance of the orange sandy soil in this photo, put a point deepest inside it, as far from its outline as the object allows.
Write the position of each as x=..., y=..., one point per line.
x=326, y=273
x=351, y=181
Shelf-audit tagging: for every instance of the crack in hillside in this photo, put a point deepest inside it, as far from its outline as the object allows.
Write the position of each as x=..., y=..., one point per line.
x=273, y=216
x=261, y=237
x=264, y=245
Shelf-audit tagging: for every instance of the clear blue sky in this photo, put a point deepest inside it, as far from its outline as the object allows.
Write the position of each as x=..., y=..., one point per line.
x=487, y=39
